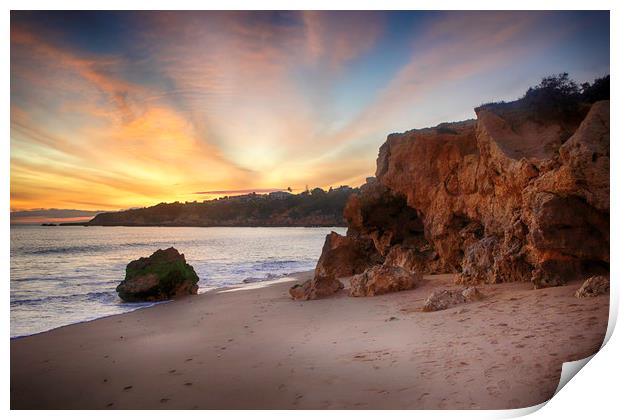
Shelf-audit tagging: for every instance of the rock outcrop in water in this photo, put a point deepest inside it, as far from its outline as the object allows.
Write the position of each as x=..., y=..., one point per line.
x=163, y=275
x=507, y=197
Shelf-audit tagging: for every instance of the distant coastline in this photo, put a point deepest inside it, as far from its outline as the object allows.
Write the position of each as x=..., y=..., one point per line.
x=88, y=224
x=311, y=208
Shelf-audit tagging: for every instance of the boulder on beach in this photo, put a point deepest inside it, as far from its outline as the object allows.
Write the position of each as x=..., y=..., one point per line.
x=341, y=257
x=383, y=279
x=593, y=286
x=316, y=288
x=446, y=298
x=163, y=275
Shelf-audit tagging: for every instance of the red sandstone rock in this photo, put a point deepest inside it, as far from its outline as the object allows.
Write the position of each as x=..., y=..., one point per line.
x=382, y=279
x=342, y=256
x=594, y=286
x=444, y=299
x=506, y=197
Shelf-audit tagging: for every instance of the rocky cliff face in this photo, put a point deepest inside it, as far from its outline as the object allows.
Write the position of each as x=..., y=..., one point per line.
x=502, y=198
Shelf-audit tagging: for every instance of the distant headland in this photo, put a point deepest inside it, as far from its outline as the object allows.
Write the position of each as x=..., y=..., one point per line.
x=310, y=208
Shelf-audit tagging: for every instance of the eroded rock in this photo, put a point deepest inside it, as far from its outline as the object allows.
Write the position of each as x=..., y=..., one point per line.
x=447, y=298
x=594, y=286
x=162, y=276
x=383, y=279
x=507, y=197
x=342, y=256
x=316, y=288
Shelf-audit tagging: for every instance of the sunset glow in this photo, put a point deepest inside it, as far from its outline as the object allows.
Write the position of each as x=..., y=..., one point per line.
x=117, y=110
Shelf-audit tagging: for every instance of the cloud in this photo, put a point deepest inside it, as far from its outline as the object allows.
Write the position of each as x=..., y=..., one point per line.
x=242, y=79
x=235, y=101
x=235, y=192
x=453, y=47
x=338, y=37
x=95, y=70
x=84, y=137
x=37, y=216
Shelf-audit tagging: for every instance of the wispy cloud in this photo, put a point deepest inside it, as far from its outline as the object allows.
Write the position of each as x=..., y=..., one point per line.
x=37, y=216
x=223, y=102
x=453, y=48
x=338, y=37
x=236, y=192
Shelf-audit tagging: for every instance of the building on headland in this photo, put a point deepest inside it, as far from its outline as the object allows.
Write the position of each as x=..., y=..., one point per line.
x=245, y=197
x=279, y=195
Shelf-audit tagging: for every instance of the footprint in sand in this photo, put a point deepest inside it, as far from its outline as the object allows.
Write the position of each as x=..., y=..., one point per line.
x=128, y=387
x=494, y=391
x=164, y=400
x=503, y=385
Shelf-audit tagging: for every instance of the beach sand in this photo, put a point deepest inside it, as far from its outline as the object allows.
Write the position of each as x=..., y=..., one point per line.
x=254, y=348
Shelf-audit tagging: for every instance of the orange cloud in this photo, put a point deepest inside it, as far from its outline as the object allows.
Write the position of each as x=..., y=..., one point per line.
x=221, y=101
x=93, y=70
x=119, y=158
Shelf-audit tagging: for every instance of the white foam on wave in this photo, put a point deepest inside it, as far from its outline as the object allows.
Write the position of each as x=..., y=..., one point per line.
x=257, y=285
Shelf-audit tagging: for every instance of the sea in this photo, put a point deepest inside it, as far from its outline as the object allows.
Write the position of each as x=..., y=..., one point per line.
x=62, y=275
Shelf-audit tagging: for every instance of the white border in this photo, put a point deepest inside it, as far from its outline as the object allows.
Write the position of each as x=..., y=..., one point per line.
x=593, y=395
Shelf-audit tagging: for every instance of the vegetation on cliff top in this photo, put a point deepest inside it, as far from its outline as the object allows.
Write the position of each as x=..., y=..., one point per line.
x=556, y=98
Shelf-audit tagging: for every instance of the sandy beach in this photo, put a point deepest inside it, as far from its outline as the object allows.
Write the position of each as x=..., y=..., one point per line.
x=252, y=347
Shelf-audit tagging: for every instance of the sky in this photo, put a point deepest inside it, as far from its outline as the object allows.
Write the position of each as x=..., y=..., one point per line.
x=114, y=110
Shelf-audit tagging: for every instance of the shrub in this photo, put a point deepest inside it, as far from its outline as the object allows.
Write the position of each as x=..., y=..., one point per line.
x=597, y=91
x=556, y=98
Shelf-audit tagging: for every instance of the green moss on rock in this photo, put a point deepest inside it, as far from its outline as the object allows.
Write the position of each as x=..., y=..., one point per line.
x=162, y=276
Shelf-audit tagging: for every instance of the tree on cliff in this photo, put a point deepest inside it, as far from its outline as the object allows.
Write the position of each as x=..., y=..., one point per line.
x=597, y=91
x=556, y=98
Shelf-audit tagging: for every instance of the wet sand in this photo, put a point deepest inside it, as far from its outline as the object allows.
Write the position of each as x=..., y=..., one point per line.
x=254, y=348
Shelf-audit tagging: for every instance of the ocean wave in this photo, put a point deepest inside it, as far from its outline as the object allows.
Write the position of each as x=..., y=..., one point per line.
x=79, y=249
x=71, y=278
x=269, y=276
x=66, y=250
x=91, y=296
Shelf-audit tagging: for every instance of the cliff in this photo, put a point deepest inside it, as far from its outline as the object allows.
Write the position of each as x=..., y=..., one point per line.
x=507, y=197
